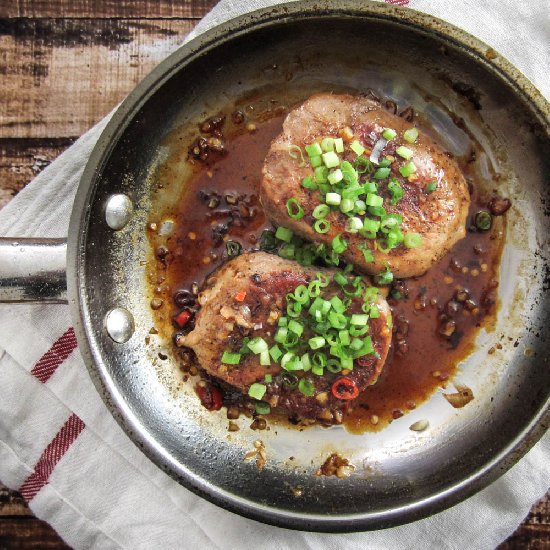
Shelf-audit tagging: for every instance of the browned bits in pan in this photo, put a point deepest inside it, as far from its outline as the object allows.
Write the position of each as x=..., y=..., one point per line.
x=499, y=205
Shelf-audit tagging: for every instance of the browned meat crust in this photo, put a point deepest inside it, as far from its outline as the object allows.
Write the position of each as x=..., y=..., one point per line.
x=223, y=322
x=439, y=217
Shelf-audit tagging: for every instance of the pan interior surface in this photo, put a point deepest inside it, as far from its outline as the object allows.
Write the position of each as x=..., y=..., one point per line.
x=400, y=475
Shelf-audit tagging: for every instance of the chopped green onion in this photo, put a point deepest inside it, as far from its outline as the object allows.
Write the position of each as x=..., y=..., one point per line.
x=363, y=165
x=334, y=366
x=265, y=360
x=483, y=220
x=284, y=234
x=316, y=161
x=257, y=345
x=346, y=205
x=287, y=251
x=331, y=159
x=268, y=241
x=321, y=174
x=322, y=226
x=327, y=144
x=301, y=295
x=294, y=309
x=367, y=253
x=320, y=211
x=410, y=135
x=358, y=331
x=319, y=359
x=268, y=378
x=340, y=279
x=339, y=145
x=349, y=173
x=407, y=169
x=233, y=248
x=317, y=342
x=313, y=150
x=281, y=334
x=333, y=199
x=318, y=370
x=337, y=304
x=353, y=225
x=337, y=320
x=353, y=191
x=339, y=244
x=382, y=173
x=263, y=408
x=389, y=134
x=296, y=327
x=344, y=337
x=359, y=320
x=357, y=148
x=257, y=391
x=335, y=176
x=282, y=322
x=431, y=187
x=308, y=183
x=356, y=344
x=324, y=280
x=275, y=353
x=360, y=207
x=306, y=387
x=306, y=362
x=377, y=211
x=396, y=191
x=374, y=200
x=385, y=278
x=370, y=226
x=412, y=240
x=404, y=152
x=296, y=153
x=374, y=312
x=295, y=211
x=231, y=358
x=384, y=163
x=370, y=187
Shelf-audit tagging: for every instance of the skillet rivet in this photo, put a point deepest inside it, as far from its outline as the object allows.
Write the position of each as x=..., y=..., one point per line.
x=119, y=324
x=118, y=211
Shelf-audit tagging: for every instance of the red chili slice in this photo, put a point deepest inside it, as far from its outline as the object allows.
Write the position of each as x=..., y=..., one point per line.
x=344, y=388
x=181, y=319
x=210, y=396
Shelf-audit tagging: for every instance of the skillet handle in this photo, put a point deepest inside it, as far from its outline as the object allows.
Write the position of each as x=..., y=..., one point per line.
x=33, y=270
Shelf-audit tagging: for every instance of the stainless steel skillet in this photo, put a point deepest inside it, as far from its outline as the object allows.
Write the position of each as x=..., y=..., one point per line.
x=302, y=47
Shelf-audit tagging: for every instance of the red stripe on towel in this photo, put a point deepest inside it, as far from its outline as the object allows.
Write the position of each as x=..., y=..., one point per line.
x=60, y=350
x=51, y=456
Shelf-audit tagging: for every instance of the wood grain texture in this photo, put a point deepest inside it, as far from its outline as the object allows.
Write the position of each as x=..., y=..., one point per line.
x=22, y=159
x=143, y=9
x=64, y=64
x=60, y=76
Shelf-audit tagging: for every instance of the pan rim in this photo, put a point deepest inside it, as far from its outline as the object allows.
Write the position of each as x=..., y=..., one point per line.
x=80, y=219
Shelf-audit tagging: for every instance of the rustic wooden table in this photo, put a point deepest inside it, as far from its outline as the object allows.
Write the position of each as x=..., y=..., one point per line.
x=64, y=64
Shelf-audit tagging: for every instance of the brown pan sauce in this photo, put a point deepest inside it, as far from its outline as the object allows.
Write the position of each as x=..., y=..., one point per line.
x=436, y=316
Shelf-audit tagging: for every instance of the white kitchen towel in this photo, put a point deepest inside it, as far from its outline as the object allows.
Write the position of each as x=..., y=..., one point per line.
x=61, y=448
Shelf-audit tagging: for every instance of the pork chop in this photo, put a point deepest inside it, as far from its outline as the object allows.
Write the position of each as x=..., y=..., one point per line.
x=418, y=182
x=266, y=302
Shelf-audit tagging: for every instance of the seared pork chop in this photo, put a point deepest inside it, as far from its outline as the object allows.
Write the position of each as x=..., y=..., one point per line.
x=266, y=302
x=422, y=185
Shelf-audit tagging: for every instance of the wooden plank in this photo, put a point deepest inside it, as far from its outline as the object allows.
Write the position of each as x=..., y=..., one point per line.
x=29, y=534
x=11, y=504
x=107, y=8
x=22, y=159
x=60, y=76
